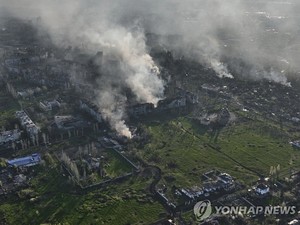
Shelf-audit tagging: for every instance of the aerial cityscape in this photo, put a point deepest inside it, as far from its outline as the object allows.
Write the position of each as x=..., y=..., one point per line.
x=150, y=112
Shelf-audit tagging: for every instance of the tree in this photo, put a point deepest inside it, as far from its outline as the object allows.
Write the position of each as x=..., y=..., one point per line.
x=71, y=165
x=44, y=138
x=37, y=139
x=84, y=173
x=13, y=145
x=65, y=159
x=277, y=171
x=74, y=170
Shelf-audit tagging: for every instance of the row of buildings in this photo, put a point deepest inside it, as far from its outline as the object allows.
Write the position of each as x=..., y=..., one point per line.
x=222, y=182
x=181, y=101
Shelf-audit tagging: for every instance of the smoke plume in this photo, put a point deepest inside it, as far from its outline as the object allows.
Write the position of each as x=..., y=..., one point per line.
x=96, y=26
x=248, y=39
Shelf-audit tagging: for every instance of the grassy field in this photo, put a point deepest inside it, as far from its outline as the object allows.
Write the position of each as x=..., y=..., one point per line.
x=184, y=150
x=117, y=166
x=56, y=202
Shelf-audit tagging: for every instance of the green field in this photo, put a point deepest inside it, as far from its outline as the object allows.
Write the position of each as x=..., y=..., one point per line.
x=246, y=150
x=55, y=201
x=117, y=166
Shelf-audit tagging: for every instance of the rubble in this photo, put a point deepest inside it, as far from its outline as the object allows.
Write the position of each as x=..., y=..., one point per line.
x=9, y=136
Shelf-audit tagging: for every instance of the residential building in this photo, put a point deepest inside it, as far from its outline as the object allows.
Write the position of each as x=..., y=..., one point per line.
x=27, y=123
x=91, y=109
x=49, y=105
x=69, y=122
x=262, y=189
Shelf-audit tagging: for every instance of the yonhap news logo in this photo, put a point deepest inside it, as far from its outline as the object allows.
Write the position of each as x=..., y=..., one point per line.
x=204, y=210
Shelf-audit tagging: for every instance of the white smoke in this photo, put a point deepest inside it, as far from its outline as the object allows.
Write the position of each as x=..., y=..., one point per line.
x=220, y=68
x=141, y=74
x=138, y=72
x=241, y=39
x=256, y=32
x=94, y=25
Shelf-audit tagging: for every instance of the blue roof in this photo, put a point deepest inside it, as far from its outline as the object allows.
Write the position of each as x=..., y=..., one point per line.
x=25, y=161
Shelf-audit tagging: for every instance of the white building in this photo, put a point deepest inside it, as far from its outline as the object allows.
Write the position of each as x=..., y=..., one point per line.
x=262, y=189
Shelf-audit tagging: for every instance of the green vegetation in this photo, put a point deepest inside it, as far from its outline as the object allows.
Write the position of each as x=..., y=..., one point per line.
x=245, y=150
x=90, y=165
x=184, y=150
x=8, y=107
x=116, y=164
x=52, y=199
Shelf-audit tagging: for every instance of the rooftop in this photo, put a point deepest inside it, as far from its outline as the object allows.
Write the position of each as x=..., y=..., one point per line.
x=27, y=161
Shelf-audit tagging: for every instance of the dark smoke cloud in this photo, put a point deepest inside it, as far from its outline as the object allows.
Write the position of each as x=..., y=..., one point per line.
x=255, y=39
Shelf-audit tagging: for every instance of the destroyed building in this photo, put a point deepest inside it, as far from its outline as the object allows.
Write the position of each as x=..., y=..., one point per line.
x=140, y=109
x=49, y=105
x=69, y=122
x=191, y=98
x=171, y=103
x=27, y=123
x=91, y=109
x=9, y=136
x=223, y=117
